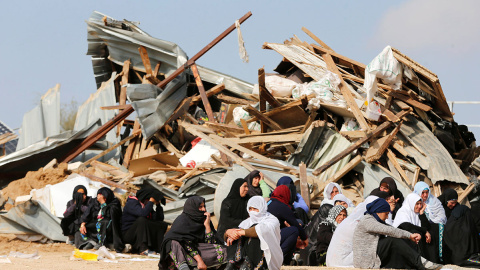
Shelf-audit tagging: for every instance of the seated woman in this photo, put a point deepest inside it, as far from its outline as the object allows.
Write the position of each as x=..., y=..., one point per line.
x=290, y=229
x=75, y=208
x=325, y=231
x=256, y=245
x=308, y=254
x=101, y=223
x=371, y=249
x=461, y=241
x=234, y=207
x=142, y=226
x=297, y=202
x=329, y=192
x=411, y=217
x=191, y=240
x=256, y=185
x=343, y=200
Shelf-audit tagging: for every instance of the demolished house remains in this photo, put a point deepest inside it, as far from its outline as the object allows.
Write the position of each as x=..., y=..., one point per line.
x=321, y=118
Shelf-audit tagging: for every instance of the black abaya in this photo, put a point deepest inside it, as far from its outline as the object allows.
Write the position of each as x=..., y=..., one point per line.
x=395, y=253
x=234, y=209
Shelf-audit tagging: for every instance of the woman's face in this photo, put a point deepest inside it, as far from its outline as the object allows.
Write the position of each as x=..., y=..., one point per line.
x=384, y=187
x=256, y=181
x=424, y=195
x=253, y=209
x=451, y=204
x=243, y=190
x=383, y=216
x=202, y=207
x=344, y=204
x=333, y=193
x=80, y=190
x=100, y=198
x=341, y=216
x=418, y=206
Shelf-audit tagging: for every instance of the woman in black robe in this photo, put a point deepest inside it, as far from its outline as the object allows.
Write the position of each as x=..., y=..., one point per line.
x=461, y=242
x=142, y=226
x=325, y=231
x=234, y=207
x=75, y=208
x=191, y=240
x=101, y=223
x=388, y=185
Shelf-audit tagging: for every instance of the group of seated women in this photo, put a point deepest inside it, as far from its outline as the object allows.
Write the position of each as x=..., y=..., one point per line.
x=264, y=229
x=91, y=223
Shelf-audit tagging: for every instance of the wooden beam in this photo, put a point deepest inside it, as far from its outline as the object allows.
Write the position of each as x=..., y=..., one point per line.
x=310, y=120
x=265, y=119
x=145, y=60
x=391, y=156
x=170, y=147
x=411, y=101
x=319, y=41
x=347, y=95
x=304, y=190
x=203, y=95
x=245, y=126
x=353, y=147
x=465, y=193
x=129, y=152
x=111, y=148
x=122, y=101
x=376, y=150
x=105, y=181
x=264, y=93
x=116, y=107
x=212, y=91
x=157, y=68
x=234, y=100
x=281, y=109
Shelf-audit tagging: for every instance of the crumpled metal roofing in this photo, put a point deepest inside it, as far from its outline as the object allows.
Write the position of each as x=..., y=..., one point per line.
x=42, y=121
x=437, y=161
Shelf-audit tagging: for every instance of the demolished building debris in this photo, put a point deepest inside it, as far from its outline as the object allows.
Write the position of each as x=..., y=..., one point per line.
x=321, y=118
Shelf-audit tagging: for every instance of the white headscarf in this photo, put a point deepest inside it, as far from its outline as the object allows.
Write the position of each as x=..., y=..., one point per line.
x=340, y=250
x=268, y=231
x=327, y=193
x=435, y=211
x=406, y=213
x=343, y=198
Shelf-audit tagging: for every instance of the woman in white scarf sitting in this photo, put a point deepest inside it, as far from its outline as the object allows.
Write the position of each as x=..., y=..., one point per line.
x=435, y=220
x=257, y=241
x=411, y=217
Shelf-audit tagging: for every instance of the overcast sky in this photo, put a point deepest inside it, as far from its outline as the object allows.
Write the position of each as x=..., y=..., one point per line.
x=44, y=42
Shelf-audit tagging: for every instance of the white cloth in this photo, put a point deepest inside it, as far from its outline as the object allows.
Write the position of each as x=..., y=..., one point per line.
x=343, y=198
x=268, y=231
x=406, y=213
x=435, y=211
x=340, y=250
x=327, y=197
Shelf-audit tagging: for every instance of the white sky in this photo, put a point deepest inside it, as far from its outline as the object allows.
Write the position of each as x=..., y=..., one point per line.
x=44, y=42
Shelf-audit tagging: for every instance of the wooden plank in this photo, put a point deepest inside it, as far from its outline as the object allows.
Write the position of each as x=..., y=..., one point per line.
x=265, y=119
x=291, y=137
x=415, y=176
x=170, y=147
x=116, y=107
x=212, y=91
x=105, y=181
x=245, y=126
x=396, y=145
x=353, y=134
x=339, y=174
x=319, y=41
x=145, y=60
x=304, y=190
x=378, y=148
x=310, y=120
x=465, y=193
x=129, y=152
x=388, y=103
x=391, y=156
x=234, y=100
x=281, y=109
x=157, y=68
x=347, y=95
x=353, y=147
x=123, y=90
x=191, y=128
x=411, y=101
x=264, y=93
x=203, y=95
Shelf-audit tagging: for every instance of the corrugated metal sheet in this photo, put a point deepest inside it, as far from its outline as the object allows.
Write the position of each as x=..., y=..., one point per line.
x=437, y=161
x=42, y=121
x=308, y=62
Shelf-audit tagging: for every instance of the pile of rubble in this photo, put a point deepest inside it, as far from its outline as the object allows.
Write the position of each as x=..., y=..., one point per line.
x=321, y=118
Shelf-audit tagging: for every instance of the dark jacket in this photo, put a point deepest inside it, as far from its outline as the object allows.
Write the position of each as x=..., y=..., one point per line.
x=133, y=209
x=284, y=213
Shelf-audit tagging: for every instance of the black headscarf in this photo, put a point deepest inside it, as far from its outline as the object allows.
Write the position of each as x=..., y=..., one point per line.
x=253, y=191
x=395, y=192
x=381, y=194
x=77, y=188
x=147, y=193
x=460, y=236
x=287, y=181
x=447, y=195
x=187, y=227
x=78, y=199
x=234, y=208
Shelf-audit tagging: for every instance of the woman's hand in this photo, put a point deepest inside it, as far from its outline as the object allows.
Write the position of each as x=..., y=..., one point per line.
x=83, y=229
x=200, y=263
x=153, y=200
x=428, y=237
x=423, y=208
x=286, y=223
x=234, y=234
x=207, y=223
x=415, y=237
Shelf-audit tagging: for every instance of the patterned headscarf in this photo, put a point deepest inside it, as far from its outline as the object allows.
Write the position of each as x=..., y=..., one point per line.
x=332, y=215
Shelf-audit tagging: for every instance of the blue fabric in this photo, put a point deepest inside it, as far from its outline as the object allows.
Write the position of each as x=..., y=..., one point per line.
x=284, y=180
x=300, y=203
x=378, y=206
x=288, y=242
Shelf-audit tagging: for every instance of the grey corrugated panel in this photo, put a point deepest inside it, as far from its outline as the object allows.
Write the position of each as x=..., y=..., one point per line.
x=8, y=226
x=10, y=146
x=231, y=83
x=309, y=63
x=34, y=216
x=437, y=161
x=90, y=111
x=42, y=121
